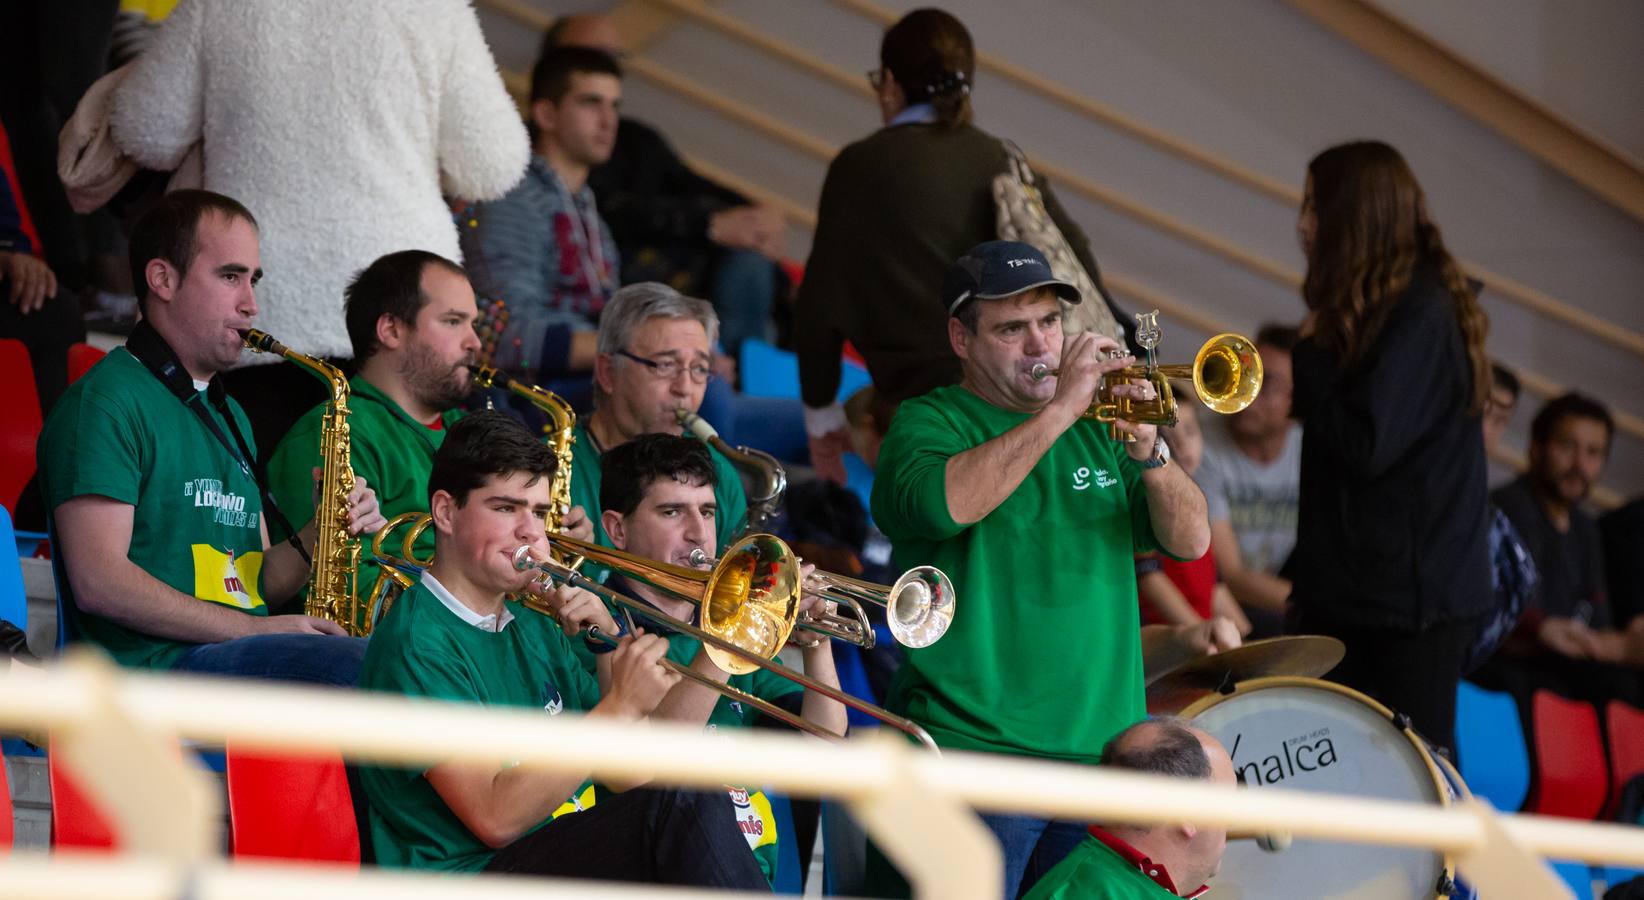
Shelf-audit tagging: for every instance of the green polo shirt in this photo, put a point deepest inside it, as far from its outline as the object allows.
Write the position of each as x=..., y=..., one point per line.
x=1094, y=871
x=393, y=452
x=1043, y=657
x=422, y=648
x=120, y=433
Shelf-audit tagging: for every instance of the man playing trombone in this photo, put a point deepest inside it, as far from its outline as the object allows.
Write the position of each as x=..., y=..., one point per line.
x=658, y=499
x=456, y=636
x=1036, y=514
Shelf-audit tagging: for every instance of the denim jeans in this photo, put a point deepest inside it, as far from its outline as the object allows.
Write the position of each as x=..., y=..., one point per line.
x=742, y=287
x=314, y=658
x=1031, y=847
x=651, y=835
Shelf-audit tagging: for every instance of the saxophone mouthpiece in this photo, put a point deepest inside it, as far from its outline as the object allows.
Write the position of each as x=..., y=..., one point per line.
x=260, y=341
x=695, y=424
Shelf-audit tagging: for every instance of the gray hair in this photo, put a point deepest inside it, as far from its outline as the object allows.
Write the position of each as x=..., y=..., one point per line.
x=1172, y=749
x=636, y=304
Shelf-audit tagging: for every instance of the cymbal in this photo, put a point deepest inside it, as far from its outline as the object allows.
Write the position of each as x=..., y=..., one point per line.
x=1301, y=656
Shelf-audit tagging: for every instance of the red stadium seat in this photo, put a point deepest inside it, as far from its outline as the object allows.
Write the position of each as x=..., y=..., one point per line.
x=19, y=421
x=75, y=821
x=81, y=357
x=5, y=806
x=291, y=807
x=1624, y=724
x=1571, y=779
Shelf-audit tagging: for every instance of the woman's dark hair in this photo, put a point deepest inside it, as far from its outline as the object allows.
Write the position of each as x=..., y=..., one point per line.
x=930, y=55
x=485, y=444
x=628, y=471
x=1373, y=232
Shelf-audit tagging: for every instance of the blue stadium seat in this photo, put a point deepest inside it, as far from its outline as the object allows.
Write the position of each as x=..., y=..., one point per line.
x=1490, y=747
x=14, y=604
x=770, y=372
x=1577, y=875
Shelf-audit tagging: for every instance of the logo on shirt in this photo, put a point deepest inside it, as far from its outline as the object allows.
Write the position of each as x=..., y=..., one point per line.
x=226, y=508
x=221, y=576
x=552, y=703
x=1082, y=479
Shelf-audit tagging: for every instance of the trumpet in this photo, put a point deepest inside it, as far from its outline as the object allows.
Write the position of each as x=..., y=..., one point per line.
x=748, y=602
x=770, y=479
x=1226, y=374
x=918, y=607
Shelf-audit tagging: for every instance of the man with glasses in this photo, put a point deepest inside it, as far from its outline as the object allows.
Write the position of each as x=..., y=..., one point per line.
x=655, y=347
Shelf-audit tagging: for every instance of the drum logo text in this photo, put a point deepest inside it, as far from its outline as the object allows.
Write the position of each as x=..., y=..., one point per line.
x=1302, y=753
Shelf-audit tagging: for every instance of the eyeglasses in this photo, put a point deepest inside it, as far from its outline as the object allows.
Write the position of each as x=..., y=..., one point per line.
x=669, y=369
x=876, y=78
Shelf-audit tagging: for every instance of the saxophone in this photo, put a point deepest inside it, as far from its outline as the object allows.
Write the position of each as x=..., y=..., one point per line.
x=332, y=593
x=559, y=433
x=769, y=478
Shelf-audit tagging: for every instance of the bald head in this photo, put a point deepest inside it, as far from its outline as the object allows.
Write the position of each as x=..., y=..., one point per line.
x=1173, y=748
x=583, y=30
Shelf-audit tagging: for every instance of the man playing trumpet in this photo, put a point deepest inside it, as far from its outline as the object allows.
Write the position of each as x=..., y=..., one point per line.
x=456, y=636
x=1037, y=515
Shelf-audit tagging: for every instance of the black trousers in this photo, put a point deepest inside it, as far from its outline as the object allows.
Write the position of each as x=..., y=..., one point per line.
x=1411, y=672
x=655, y=836
x=48, y=332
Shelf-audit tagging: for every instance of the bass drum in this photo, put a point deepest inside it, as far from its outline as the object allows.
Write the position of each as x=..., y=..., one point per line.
x=1307, y=735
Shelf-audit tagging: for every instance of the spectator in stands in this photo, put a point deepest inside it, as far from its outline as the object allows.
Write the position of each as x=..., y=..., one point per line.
x=543, y=249
x=675, y=226
x=1124, y=860
x=897, y=208
x=1567, y=638
x=160, y=542
x=456, y=636
x=410, y=321
x=1499, y=409
x=1183, y=592
x=340, y=123
x=32, y=308
x=1392, y=552
x=1251, y=478
x=1513, y=575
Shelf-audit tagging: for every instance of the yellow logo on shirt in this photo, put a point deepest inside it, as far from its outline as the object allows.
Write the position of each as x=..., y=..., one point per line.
x=222, y=577
x=754, y=817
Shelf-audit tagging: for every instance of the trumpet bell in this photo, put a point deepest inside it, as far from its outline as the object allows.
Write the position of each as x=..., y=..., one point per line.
x=1227, y=373
x=919, y=606
x=751, y=600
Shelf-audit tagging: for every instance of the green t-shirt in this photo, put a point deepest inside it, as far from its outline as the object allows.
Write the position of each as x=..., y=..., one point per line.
x=393, y=452
x=585, y=480
x=421, y=648
x=1043, y=657
x=120, y=433
x=1093, y=871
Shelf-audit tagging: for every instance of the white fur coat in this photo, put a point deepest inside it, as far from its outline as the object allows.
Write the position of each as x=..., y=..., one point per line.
x=337, y=124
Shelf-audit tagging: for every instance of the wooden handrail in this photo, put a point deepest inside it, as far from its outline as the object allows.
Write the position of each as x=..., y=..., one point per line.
x=1530, y=298
x=1587, y=159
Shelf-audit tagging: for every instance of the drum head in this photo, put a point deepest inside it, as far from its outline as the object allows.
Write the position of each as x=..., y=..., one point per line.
x=1304, y=735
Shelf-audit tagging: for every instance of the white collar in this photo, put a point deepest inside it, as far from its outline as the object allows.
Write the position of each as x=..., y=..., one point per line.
x=491, y=623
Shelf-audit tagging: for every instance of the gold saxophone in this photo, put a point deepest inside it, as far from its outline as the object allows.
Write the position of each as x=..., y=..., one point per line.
x=332, y=593
x=559, y=433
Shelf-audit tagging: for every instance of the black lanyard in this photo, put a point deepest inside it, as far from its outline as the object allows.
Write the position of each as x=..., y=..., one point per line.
x=156, y=355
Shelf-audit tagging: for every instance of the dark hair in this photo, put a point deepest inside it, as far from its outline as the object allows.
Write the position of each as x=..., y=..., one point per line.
x=391, y=285
x=1373, y=233
x=170, y=231
x=931, y=56
x=628, y=471
x=970, y=314
x=1570, y=406
x=483, y=445
x=1169, y=749
x=1503, y=377
x=1279, y=337
x=551, y=77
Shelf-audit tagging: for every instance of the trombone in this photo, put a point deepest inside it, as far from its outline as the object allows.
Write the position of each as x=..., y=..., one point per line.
x=1226, y=374
x=918, y=607
x=749, y=603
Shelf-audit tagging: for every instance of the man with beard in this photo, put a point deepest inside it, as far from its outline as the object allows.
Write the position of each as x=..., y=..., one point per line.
x=410, y=318
x=1566, y=639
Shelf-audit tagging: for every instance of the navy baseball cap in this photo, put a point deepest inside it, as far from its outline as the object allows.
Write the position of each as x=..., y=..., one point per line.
x=996, y=269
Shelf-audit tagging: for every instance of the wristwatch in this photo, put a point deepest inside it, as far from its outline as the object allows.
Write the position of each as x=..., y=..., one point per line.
x=1160, y=457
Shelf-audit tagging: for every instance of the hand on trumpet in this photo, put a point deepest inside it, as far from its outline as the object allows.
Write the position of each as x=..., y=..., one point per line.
x=1086, y=358
x=811, y=606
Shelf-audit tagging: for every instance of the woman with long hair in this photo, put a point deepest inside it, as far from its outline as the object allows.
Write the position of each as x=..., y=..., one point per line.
x=1390, y=380
x=897, y=208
